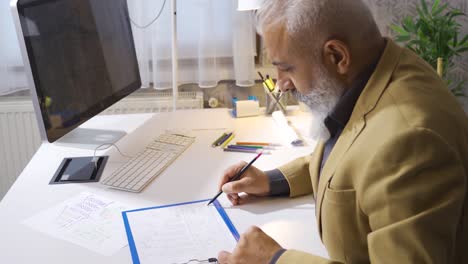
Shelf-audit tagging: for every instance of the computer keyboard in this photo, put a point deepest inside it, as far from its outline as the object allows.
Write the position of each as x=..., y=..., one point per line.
x=138, y=172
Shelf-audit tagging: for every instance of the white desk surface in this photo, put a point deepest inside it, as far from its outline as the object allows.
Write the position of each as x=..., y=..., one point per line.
x=193, y=176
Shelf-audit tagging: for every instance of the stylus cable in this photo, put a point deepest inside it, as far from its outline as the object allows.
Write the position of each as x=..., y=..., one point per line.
x=107, y=145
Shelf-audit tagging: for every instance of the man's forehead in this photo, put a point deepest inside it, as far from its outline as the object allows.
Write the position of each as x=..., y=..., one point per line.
x=276, y=43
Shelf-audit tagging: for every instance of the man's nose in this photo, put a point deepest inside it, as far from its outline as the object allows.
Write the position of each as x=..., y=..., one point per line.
x=284, y=85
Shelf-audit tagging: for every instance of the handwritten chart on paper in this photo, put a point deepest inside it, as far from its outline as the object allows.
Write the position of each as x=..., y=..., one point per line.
x=177, y=234
x=87, y=220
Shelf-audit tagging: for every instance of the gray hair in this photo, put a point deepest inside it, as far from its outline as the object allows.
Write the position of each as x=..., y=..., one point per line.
x=312, y=22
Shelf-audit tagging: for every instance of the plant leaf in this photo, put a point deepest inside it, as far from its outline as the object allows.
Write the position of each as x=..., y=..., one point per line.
x=434, y=32
x=399, y=30
x=454, y=13
x=435, y=5
x=403, y=38
x=457, y=89
x=438, y=11
x=408, y=24
x=454, y=42
x=461, y=50
x=424, y=7
x=420, y=13
x=464, y=40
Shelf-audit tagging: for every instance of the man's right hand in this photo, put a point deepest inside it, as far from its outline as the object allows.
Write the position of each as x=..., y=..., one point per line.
x=253, y=182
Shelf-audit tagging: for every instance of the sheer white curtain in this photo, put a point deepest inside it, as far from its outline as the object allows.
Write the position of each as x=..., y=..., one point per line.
x=215, y=42
x=12, y=77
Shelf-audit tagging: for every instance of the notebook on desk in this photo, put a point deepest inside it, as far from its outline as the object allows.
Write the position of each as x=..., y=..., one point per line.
x=178, y=233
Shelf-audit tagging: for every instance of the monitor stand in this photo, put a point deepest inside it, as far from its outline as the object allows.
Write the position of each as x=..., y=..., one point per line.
x=84, y=169
x=88, y=138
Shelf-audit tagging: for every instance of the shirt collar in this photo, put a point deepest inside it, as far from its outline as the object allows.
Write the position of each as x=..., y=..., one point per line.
x=339, y=116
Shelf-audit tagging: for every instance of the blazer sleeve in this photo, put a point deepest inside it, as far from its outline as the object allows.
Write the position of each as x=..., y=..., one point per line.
x=412, y=192
x=297, y=174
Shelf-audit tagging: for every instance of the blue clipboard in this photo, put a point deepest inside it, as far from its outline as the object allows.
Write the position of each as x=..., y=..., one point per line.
x=131, y=241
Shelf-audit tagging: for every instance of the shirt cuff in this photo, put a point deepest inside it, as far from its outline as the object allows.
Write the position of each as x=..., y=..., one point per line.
x=278, y=183
x=277, y=256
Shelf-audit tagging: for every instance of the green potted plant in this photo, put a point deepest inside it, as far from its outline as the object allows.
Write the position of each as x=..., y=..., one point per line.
x=434, y=34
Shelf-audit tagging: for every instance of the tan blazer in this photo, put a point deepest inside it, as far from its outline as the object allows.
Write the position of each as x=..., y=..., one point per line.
x=394, y=187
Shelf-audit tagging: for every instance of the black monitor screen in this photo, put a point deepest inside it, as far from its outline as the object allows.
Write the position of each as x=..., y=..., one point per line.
x=82, y=58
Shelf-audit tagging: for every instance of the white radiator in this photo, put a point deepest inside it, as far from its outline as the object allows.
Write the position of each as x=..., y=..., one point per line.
x=19, y=140
x=19, y=134
x=154, y=103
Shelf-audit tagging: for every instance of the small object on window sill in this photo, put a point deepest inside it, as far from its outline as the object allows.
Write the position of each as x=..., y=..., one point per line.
x=213, y=102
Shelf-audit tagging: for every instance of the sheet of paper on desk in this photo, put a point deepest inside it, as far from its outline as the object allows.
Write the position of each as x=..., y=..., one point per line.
x=87, y=220
x=178, y=234
x=289, y=134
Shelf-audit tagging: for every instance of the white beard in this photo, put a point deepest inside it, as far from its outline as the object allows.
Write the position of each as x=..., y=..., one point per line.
x=321, y=100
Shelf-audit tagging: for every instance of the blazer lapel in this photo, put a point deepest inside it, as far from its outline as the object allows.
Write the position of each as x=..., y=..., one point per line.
x=314, y=169
x=365, y=104
x=348, y=136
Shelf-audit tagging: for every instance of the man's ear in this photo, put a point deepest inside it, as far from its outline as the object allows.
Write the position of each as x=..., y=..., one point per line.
x=337, y=56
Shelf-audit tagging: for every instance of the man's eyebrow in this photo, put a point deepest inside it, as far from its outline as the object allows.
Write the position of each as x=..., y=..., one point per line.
x=277, y=63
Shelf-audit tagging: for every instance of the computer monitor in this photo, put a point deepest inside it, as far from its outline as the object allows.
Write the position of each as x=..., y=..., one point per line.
x=79, y=56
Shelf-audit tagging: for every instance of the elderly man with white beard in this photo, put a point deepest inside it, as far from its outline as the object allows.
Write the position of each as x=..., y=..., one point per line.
x=389, y=175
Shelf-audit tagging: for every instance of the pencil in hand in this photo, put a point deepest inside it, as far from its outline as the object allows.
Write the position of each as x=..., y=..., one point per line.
x=237, y=176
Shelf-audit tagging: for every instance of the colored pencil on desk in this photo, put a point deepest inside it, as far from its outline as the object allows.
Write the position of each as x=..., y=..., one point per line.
x=247, y=151
x=215, y=143
x=242, y=147
x=224, y=144
x=243, y=150
x=223, y=139
x=251, y=147
x=245, y=147
x=256, y=146
x=256, y=143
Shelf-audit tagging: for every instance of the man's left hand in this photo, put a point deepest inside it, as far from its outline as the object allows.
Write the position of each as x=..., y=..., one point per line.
x=254, y=246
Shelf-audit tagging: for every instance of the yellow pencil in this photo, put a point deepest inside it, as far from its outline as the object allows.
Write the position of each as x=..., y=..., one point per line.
x=270, y=84
x=227, y=140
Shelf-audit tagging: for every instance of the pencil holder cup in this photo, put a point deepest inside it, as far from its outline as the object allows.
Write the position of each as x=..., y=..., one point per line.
x=274, y=102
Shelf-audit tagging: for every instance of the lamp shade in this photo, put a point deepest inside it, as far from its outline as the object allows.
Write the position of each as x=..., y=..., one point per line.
x=245, y=5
